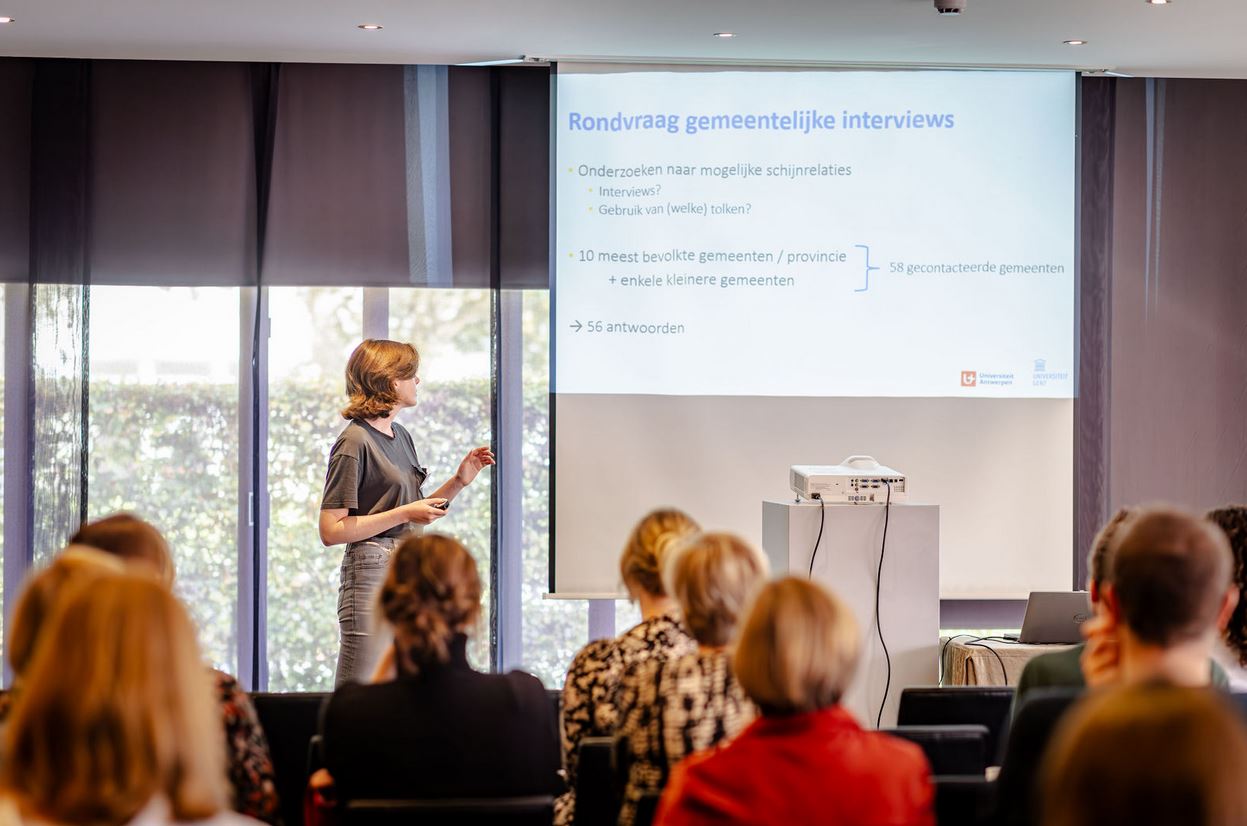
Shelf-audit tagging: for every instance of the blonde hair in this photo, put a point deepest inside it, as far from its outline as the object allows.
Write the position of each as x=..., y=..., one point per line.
x=117, y=709
x=1147, y=754
x=713, y=576
x=651, y=541
x=42, y=592
x=371, y=371
x=797, y=649
x=432, y=592
x=126, y=536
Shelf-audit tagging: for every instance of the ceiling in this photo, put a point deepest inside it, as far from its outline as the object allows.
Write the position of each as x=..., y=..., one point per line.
x=1189, y=38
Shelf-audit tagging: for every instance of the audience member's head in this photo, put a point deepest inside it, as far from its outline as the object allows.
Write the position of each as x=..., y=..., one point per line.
x=41, y=593
x=1147, y=754
x=126, y=536
x=651, y=541
x=713, y=576
x=1233, y=520
x=1098, y=559
x=118, y=711
x=1170, y=578
x=797, y=649
x=371, y=371
x=431, y=593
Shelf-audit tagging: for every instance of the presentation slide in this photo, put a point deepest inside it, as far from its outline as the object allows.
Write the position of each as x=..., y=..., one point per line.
x=756, y=269
x=815, y=233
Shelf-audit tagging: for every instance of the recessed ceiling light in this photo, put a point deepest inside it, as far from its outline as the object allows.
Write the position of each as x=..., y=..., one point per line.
x=1159, y=2
x=725, y=35
x=1075, y=42
x=370, y=27
x=4, y=20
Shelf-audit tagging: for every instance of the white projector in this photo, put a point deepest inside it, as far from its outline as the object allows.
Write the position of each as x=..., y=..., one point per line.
x=859, y=480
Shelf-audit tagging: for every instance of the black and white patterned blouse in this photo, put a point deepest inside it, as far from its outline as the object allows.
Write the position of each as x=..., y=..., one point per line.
x=589, y=693
x=671, y=709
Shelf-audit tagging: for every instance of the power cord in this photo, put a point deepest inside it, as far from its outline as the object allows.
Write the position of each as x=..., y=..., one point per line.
x=883, y=546
x=978, y=642
x=944, y=649
x=822, y=514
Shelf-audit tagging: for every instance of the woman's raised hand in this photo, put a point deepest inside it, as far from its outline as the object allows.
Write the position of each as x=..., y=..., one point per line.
x=472, y=464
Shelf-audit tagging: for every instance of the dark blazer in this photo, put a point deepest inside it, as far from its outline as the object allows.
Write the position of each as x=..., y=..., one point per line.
x=449, y=732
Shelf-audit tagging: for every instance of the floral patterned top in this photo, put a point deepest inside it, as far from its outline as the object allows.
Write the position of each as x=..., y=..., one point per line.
x=590, y=691
x=671, y=709
x=250, y=767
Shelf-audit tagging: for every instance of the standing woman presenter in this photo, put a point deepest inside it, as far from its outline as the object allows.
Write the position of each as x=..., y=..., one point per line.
x=374, y=493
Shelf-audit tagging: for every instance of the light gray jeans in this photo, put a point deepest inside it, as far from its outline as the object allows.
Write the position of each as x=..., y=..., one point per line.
x=364, y=566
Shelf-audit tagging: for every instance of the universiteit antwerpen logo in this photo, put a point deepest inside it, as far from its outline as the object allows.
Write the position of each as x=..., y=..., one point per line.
x=969, y=378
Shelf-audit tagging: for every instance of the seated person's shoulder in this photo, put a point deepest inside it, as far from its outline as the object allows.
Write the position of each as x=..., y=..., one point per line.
x=597, y=656
x=899, y=755
x=1057, y=669
x=523, y=684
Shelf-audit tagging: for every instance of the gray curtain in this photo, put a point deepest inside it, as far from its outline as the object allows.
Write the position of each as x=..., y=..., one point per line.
x=1163, y=381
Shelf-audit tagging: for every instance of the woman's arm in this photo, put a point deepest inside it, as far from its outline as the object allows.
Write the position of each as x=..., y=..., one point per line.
x=338, y=527
x=477, y=459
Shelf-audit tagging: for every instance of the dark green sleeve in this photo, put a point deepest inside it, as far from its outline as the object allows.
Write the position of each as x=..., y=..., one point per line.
x=1026, y=682
x=1219, y=679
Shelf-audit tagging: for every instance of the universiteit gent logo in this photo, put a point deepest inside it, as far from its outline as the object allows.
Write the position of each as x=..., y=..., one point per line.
x=969, y=378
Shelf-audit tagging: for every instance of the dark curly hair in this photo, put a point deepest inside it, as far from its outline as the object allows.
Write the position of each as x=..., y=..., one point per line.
x=431, y=593
x=1233, y=520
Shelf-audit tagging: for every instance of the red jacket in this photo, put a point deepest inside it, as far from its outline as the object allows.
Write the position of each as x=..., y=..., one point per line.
x=815, y=768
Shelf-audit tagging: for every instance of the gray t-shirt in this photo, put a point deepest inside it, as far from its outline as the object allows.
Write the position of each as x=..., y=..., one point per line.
x=370, y=472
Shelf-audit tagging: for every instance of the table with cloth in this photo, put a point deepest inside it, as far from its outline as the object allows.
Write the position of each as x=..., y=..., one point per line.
x=970, y=660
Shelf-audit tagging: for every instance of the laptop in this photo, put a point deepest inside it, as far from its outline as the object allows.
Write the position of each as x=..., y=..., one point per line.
x=1055, y=617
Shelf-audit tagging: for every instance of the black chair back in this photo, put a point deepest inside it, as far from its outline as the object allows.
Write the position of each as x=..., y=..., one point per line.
x=646, y=808
x=289, y=722
x=597, y=782
x=1239, y=699
x=1037, y=718
x=951, y=750
x=988, y=706
x=963, y=800
x=556, y=701
x=511, y=811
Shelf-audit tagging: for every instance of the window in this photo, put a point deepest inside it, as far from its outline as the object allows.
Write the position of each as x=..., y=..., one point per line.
x=164, y=436
x=451, y=329
x=313, y=331
x=165, y=387
x=553, y=630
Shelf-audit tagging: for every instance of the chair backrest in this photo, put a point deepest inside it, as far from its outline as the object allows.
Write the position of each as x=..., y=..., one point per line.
x=1032, y=731
x=556, y=700
x=988, y=706
x=289, y=722
x=1239, y=699
x=508, y=811
x=646, y=808
x=951, y=750
x=963, y=800
x=597, y=781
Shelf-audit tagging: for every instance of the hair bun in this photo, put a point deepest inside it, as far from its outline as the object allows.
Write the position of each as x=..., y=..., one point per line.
x=431, y=593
